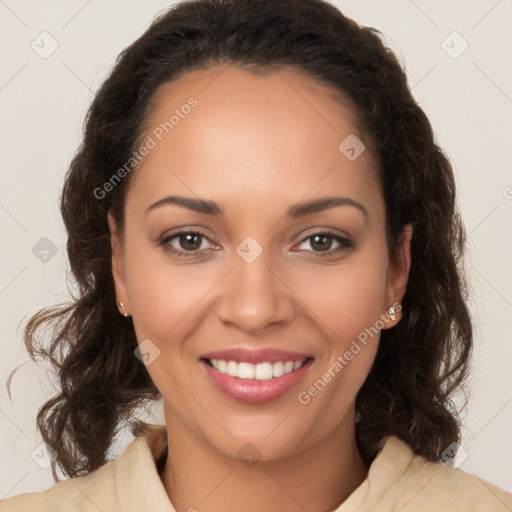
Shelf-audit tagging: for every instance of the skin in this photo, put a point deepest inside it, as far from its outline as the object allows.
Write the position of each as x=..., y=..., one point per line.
x=257, y=145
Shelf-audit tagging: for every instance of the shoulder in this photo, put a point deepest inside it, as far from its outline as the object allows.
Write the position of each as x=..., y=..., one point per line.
x=111, y=487
x=410, y=483
x=85, y=493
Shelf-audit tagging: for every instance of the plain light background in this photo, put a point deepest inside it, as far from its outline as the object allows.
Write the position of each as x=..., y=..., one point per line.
x=468, y=98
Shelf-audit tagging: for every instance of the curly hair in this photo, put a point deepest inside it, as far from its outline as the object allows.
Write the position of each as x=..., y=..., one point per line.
x=420, y=362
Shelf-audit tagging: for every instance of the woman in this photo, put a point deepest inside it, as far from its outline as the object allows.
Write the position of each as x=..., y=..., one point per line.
x=265, y=236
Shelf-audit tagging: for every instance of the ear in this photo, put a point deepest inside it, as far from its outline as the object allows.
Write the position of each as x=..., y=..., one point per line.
x=118, y=272
x=398, y=274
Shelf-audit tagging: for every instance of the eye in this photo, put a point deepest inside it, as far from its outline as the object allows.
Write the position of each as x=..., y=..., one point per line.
x=186, y=243
x=194, y=243
x=325, y=243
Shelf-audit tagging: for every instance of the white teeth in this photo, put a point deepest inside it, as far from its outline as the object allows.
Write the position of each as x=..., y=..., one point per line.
x=263, y=371
x=232, y=369
x=245, y=371
x=260, y=371
x=278, y=369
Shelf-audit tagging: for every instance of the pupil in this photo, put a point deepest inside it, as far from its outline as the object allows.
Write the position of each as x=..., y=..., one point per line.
x=190, y=241
x=322, y=242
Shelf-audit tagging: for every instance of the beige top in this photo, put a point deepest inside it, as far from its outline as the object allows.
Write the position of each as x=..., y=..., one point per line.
x=398, y=480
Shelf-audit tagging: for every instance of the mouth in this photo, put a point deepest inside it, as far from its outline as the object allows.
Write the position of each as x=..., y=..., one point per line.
x=255, y=377
x=261, y=371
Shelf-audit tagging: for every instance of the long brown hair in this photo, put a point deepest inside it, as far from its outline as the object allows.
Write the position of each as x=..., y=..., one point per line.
x=420, y=362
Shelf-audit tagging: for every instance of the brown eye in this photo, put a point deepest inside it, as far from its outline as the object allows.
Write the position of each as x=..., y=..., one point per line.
x=190, y=241
x=321, y=242
x=187, y=243
x=325, y=244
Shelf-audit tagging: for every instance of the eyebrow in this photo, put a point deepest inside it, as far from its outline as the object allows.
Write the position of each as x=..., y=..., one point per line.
x=196, y=205
x=296, y=211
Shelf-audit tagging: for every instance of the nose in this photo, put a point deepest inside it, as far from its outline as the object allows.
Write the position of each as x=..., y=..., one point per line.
x=253, y=297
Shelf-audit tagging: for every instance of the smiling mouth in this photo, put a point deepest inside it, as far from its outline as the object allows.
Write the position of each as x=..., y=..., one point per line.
x=261, y=371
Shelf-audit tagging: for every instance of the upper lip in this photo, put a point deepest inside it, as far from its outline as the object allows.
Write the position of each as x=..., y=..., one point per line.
x=244, y=355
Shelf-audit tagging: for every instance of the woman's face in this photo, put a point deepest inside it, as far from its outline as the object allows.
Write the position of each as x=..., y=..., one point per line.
x=254, y=260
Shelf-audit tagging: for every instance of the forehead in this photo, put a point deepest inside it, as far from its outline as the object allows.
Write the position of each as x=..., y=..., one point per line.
x=227, y=130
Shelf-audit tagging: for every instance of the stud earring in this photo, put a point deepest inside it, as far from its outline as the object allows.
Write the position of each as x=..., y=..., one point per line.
x=392, y=312
x=121, y=305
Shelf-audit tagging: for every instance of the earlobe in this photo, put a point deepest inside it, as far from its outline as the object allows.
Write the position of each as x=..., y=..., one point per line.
x=399, y=275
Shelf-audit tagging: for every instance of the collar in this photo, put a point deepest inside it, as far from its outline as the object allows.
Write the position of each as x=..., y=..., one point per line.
x=137, y=481
x=139, y=486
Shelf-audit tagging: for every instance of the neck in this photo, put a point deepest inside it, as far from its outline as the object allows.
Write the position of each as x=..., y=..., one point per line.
x=319, y=478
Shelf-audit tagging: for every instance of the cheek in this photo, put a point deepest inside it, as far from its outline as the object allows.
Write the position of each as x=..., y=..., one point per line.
x=167, y=301
x=360, y=301
x=349, y=305
x=346, y=301
x=356, y=322
x=163, y=295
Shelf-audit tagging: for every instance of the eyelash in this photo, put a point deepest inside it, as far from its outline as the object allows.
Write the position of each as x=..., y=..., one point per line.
x=345, y=243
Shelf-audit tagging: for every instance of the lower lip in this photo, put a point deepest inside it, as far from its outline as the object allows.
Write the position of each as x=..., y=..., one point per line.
x=252, y=391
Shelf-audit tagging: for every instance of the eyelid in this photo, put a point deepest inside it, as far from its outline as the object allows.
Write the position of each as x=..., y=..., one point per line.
x=319, y=230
